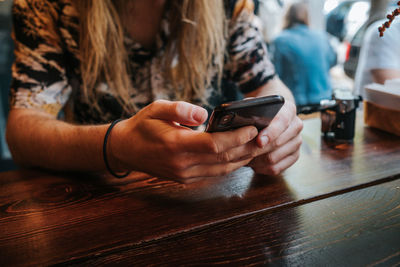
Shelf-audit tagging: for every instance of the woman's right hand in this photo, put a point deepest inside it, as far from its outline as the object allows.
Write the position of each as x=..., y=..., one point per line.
x=153, y=141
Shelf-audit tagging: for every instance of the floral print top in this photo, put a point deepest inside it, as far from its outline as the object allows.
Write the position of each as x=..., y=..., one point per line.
x=46, y=73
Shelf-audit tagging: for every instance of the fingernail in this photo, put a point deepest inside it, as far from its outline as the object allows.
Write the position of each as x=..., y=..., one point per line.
x=264, y=140
x=253, y=133
x=198, y=114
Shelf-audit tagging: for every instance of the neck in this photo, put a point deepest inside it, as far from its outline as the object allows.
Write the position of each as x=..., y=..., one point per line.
x=142, y=20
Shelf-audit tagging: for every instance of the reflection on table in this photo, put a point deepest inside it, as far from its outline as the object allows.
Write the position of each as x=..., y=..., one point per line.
x=331, y=208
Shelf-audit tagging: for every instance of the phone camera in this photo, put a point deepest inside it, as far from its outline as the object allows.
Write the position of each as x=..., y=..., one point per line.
x=226, y=119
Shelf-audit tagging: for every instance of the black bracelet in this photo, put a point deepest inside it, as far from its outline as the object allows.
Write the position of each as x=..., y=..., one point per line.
x=105, y=152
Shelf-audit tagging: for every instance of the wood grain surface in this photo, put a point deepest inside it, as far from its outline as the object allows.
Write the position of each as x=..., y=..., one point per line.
x=48, y=218
x=358, y=228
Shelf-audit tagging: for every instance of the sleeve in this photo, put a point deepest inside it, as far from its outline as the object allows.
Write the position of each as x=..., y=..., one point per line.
x=38, y=73
x=247, y=63
x=382, y=50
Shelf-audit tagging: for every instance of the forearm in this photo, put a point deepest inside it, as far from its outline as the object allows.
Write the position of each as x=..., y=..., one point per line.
x=281, y=140
x=381, y=75
x=37, y=140
x=273, y=87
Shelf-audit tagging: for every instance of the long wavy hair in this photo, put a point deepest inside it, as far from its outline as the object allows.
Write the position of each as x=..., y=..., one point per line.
x=197, y=40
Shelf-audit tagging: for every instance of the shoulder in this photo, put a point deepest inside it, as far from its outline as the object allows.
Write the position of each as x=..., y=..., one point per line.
x=243, y=26
x=375, y=43
x=392, y=34
x=42, y=7
x=319, y=35
x=37, y=17
x=37, y=13
x=284, y=37
x=372, y=31
x=242, y=6
x=239, y=9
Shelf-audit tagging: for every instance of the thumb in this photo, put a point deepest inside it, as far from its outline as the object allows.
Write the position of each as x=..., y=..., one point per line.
x=178, y=111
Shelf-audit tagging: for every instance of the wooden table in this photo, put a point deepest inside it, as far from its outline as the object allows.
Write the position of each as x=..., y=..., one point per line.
x=338, y=205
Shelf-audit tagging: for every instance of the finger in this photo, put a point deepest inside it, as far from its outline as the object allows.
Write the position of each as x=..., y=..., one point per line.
x=215, y=143
x=243, y=152
x=283, y=151
x=236, y=154
x=275, y=169
x=252, y=149
x=278, y=125
x=210, y=170
x=292, y=131
x=277, y=155
x=177, y=111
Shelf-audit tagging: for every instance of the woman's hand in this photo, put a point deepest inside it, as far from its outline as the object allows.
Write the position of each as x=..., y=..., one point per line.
x=279, y=143
x=153, y=141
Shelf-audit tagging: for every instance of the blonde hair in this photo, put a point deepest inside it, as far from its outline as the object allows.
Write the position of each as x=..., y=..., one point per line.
x=197, y=40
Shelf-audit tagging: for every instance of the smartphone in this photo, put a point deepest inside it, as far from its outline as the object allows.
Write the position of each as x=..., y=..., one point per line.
x=257, y=111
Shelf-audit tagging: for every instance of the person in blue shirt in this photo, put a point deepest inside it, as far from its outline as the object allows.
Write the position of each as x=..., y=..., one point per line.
x=303, y=57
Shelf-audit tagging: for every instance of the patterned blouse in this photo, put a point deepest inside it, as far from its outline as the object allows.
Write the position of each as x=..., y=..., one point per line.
x=46, y=71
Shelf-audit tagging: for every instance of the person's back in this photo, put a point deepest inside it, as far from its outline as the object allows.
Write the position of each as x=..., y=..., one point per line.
x=302, y=59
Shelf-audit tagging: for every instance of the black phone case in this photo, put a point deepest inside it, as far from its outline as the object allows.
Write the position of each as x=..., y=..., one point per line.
x=257, y=111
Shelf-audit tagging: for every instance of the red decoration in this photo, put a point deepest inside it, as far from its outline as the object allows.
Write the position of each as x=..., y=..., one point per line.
x=390, y=18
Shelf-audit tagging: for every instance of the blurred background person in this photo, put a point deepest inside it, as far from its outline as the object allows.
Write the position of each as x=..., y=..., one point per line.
x=379, y=57
x=303, y=58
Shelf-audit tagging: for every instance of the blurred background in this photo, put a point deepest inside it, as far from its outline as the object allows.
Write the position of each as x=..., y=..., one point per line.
x=343, y=21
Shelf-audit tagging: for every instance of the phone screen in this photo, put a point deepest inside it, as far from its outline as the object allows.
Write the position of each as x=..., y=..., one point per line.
x=258, y=111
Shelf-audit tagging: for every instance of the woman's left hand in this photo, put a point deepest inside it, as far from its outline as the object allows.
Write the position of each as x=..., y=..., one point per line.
x=279, y=143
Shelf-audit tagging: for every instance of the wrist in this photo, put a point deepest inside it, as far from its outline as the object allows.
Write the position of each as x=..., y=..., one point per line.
x=113, y=150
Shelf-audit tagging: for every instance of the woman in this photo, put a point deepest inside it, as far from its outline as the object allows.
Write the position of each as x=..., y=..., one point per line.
x=104, y=60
